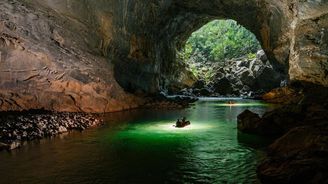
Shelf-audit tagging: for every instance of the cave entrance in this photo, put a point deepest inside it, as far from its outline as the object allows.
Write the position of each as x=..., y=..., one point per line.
x=223, y=58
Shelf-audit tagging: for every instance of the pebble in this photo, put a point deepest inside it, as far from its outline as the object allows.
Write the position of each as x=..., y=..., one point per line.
x=18, y=127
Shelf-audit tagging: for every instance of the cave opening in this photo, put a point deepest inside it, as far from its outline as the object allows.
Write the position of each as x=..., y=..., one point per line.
x=65, y=63
x=223, y=58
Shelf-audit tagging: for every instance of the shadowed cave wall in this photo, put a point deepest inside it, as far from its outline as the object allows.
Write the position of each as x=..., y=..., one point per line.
x=64, y=54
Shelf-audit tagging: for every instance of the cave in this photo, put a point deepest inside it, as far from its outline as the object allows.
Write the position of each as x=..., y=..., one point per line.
x=118, y=36
x=222, y=58
x=177, y=27
x=272, y=33
x=68, y=65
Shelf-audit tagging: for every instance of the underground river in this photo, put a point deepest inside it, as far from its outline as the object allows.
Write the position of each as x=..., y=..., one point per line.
x=142, y=146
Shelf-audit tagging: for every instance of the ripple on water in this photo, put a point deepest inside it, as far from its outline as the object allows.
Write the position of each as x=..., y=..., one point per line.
x=144, y=147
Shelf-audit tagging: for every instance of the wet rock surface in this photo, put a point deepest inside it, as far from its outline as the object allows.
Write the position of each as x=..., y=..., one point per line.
x=248, y=122
x=273, y=123
x=284, y=95
x=17, y=127
x=299, y=155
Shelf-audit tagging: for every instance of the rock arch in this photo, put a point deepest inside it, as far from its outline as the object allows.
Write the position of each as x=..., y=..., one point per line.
x=57, y=54
x=284, y=28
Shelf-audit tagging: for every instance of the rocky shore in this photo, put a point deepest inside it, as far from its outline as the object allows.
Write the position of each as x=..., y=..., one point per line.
x=244, y=77
x=17, y=127
x=299, y=153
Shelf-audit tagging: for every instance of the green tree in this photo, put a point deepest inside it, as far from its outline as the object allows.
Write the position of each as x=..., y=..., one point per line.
x=219, y=40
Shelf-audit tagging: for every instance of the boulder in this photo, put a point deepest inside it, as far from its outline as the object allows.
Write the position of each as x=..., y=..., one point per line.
x=258, y=76
x=205, y=92
x=243, y=63
x=260, y=55
x=186, y=92
x=300, y=156
x=246, y=89
x=238, y=86
x=284, y=95
x=199, y=84
x=273, y=123
x=255, y=66
x=266, y=78
x=248, y=122
x=223, y=86
x=62, y=129
x=14, y=145
x=287, y=117
x=246, y=77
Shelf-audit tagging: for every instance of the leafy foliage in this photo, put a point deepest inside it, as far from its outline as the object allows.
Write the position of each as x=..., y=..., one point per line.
x=219, y=40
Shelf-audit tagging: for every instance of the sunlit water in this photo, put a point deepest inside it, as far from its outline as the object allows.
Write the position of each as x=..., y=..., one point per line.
x=142, y=146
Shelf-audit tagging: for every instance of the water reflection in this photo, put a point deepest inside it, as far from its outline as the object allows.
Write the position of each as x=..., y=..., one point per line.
x=142, y=146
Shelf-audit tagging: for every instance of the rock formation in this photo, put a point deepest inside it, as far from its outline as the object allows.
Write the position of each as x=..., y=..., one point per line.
x=58, y=54
x=66, y=55
x=53, y=60
x=237, y=77
x=299, y=155
x=15, y=128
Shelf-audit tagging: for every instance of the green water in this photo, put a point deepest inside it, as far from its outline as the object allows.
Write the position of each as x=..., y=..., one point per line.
x=142, y=146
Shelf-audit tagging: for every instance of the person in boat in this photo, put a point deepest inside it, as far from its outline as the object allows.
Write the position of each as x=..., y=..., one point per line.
x=231, y=102
x=185, y=122
x=182, y=123
x=178, y=123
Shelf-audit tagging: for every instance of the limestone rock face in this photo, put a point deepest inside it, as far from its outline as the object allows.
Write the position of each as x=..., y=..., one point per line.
x=309, y=50
x=284, y=28
x=58, y=54
x=181, y=78
x=284, y=95
x=54, y=62
x=297, y=157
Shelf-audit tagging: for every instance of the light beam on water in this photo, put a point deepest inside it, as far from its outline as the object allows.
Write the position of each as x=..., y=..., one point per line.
x=168, y=127
x=143, y=146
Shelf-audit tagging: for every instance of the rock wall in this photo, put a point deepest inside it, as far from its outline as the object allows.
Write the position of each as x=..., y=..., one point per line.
x=55, y=60
x=292, y=33
x=309, y=48
x=58, y=54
